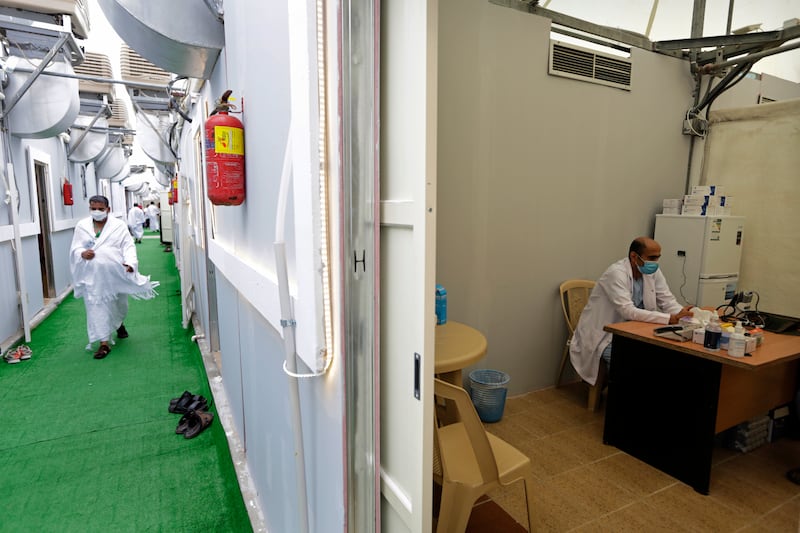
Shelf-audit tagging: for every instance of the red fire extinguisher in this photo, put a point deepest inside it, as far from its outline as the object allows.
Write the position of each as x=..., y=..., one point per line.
x=67, y=192
x=173, y=191
x=224, y=155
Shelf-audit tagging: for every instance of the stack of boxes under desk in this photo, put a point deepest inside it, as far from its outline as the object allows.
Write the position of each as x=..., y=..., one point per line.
x=749, y=435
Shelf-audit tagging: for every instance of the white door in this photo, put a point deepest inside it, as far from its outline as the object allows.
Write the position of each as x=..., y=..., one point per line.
x=407, y=243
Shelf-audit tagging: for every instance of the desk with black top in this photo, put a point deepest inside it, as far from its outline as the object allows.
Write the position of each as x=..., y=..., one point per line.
x=667, y=399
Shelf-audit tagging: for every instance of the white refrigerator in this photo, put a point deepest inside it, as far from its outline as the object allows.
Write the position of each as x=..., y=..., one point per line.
x=700, y=256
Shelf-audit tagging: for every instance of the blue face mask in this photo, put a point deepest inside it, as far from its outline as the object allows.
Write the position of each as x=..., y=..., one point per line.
x=649, y=267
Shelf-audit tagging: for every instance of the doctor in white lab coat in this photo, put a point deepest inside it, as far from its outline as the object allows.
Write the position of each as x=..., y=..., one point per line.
x=630, y=289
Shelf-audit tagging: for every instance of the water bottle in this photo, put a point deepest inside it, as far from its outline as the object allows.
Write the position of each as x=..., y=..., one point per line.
x=713, y=334
x=441, y=305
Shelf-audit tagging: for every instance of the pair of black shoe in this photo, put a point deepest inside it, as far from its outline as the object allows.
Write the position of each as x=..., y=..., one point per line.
x=195, y=417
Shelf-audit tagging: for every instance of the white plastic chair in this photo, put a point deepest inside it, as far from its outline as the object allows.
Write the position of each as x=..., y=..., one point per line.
x=469, y=462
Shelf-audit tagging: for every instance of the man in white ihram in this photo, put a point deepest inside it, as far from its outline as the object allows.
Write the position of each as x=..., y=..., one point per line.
x=152, y=215
x=136, y=222
x=104, y=269
x=630, y=289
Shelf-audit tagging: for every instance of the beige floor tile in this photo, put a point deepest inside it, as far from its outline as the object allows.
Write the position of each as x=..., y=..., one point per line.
x=543, y=423
x=699, y=512
x=583, y=443
x=599, y=495
x=515, y=405
x=557, y=512
x=548, y=456
x=784, y=518
x=635, y=518
x=785, y=453
x=512, y=500
x=763, y=475
x=631, y=474
x=584, y=485
x=738, y=485
x=512, y=431
x=544, y=396
x=574, y=498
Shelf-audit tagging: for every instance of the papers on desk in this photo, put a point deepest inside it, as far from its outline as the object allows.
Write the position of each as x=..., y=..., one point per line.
x=675, y=333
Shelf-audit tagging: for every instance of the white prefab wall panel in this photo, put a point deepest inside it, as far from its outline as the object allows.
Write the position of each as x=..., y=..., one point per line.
x=753, y=152
x=269, y=94
x=541, y=178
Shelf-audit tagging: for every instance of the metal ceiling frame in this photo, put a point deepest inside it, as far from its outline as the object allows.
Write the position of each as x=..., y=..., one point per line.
x=723, y=47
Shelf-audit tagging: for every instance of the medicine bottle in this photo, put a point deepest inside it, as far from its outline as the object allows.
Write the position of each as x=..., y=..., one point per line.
x=738, y=342
x=713, y=334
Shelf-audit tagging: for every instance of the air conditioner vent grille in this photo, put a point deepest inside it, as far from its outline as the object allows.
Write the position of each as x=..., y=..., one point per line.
x=588, y=65
x=98, y=66
x=136, y=68
x=119, y=115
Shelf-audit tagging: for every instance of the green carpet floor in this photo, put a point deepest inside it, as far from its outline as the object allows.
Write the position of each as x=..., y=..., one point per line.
x=88, y=445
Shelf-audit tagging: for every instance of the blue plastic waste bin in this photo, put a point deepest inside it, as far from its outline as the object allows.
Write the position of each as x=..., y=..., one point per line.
x=488, y=392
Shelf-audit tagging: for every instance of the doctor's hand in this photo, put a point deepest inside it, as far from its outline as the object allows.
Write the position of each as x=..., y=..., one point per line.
x=673, y=319
x=88, y=254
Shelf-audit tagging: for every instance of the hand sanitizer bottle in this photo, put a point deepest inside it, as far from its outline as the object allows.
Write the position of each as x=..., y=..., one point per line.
x=738, y=342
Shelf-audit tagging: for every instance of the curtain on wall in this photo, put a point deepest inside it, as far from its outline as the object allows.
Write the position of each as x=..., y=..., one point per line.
x=754, y=152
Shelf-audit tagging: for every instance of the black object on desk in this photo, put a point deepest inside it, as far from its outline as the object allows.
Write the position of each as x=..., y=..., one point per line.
x=781, y=324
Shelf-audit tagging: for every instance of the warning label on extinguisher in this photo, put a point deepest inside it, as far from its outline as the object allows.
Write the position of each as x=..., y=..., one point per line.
x=228, y=140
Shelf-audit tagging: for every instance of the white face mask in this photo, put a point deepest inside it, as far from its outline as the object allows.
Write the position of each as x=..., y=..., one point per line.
x=98, y=214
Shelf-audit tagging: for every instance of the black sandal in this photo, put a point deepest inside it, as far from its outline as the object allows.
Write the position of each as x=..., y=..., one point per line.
x=187, y=402
x=197, y=422
x=793, y=475
x=185, y=397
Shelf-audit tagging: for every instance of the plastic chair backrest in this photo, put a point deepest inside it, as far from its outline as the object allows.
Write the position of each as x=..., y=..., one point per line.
x=468, y=417
x=574, y=296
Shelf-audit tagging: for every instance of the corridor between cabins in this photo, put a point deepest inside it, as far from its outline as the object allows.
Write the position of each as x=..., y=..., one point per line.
x=89, y=445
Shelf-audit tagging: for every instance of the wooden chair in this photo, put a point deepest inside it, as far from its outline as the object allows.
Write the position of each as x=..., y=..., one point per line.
x=468, y=462
x=574, y=296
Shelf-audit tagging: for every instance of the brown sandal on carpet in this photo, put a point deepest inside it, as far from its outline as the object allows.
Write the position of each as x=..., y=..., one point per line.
x=102, y=351
x=197, y=422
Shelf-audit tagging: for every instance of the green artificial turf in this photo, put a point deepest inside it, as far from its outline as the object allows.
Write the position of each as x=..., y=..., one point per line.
x=88, y=445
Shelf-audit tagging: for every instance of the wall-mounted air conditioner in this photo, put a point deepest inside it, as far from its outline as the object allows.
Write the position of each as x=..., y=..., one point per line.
x=97, y=66
x=136, y=68
x=78, y=11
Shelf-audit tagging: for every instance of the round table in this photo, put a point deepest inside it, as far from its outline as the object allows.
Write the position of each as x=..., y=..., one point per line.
x=457, y=346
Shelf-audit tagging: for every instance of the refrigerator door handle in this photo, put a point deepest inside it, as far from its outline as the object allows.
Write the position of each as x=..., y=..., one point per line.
x=719, y=276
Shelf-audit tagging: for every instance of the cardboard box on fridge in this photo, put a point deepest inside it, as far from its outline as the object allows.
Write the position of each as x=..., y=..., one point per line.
x=672, y=202
x=708, y=190
x=693, y=210
x=695, y=200
x=671, y=211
